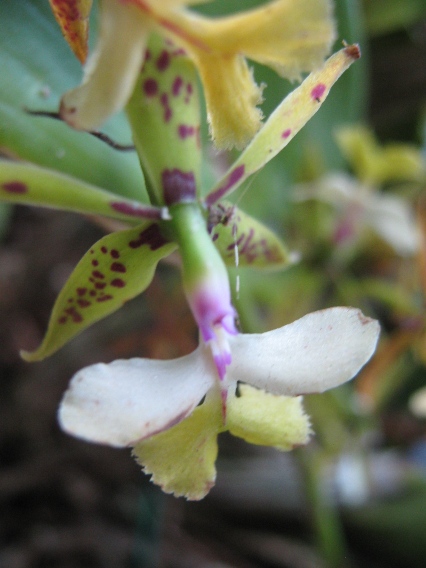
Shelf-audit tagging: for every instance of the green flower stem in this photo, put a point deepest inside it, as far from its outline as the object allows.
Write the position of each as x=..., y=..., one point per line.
x=324, y=513
x=200, y=258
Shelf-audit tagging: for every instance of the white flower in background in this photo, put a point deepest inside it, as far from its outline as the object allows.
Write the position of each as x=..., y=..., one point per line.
x=359, y=199
x=361, y=206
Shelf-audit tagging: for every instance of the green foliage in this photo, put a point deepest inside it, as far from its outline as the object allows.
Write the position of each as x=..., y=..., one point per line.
x=117, y=268
x=37, y=68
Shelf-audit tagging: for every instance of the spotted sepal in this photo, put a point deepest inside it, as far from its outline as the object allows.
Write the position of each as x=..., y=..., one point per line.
x=244, y=241
x=285, y=122
x=117, y=268
x=32, y=185
x=164, y=113
x=73, y=18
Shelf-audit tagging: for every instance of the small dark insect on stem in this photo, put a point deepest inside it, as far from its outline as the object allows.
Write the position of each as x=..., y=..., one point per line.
x=104, y=137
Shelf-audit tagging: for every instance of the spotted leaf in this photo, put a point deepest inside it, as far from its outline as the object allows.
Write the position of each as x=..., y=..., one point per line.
x=285, y=122
x=114, y=270
x=73, y=18
x=32, y=185
x=242, y=240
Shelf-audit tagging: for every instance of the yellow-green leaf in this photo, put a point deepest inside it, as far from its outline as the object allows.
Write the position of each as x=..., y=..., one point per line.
x=242, y=240
x=285, y=122
x=33, y=185
x=116, y=269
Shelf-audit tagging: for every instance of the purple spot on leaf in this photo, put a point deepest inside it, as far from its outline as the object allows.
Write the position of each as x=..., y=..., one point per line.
x=178, y=186
x=232, y=179
x=163, y=60
x=164, y=100
x=151, y=237
x=17, y=187
x=150, y=87
x=318, y=91
x=118, y=283
x=177, y=86
x=286, y=133
x=136, y=210
x=104, y=298
x=185, y=131
x=118, y=267
x=98, y=274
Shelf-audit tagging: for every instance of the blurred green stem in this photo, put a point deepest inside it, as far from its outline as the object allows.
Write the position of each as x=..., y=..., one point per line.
x=325, y=519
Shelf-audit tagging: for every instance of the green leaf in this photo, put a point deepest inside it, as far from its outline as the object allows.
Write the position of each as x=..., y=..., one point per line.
x=386, y=16
x=244, y=241
x=285, y=122
x=117, y=268
x=37, y=68
x=32, y=185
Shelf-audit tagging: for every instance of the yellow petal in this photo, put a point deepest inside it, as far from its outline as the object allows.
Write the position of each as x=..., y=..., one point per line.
x=182, y=459
x=268, y=420
x=231, y=97
x=291, y=36
x=73, y=18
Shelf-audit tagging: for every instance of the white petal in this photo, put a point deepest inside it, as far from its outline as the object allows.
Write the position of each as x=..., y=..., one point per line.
x=337, y=188
x=394, y=221
x=111, y=72
x=123, y=402
x=317, y=352
x=417, y=403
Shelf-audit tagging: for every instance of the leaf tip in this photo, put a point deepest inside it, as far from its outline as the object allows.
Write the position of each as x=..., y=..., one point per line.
x=353, y=51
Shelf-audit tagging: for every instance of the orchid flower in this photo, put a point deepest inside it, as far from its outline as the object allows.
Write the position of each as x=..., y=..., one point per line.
x=289, y=36
x=154, y=406
x=358, y=199
x=170, y=412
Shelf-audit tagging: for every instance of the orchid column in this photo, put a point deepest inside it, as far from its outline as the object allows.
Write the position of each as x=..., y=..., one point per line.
x=164, y=114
